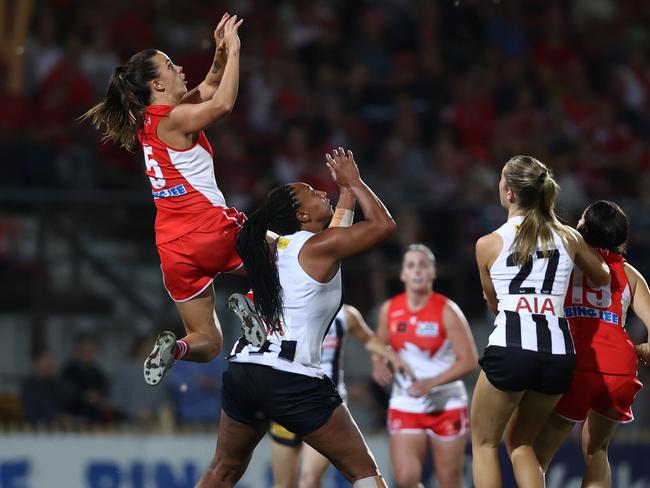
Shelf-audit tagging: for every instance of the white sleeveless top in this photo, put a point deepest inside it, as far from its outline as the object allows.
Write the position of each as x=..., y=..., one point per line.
x=531, y=297
x=309, y=309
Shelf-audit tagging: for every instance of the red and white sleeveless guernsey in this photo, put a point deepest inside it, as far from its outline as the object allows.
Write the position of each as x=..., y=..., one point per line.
x=605, y=378
x=420, y=339
x=597, y=321
x=182, y=180
x=195, y=230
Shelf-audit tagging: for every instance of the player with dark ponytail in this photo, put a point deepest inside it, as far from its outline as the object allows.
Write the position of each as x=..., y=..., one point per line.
x=147, y=104
x=298, y=291
x=277, y=214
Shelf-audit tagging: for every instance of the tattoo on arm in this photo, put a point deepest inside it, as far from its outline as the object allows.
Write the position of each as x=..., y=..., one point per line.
x=215, y=67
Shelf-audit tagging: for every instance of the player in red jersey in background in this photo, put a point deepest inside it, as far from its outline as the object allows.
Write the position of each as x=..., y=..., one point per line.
x=147, y=103
x=605, y=380
x=430, y=333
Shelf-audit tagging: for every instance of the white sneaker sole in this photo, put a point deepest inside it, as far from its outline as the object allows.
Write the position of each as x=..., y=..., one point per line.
x=252, y=326
x=160, y=359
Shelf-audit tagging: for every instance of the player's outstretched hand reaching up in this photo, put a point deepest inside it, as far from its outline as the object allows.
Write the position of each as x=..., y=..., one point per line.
x=230, y=34
x=342, y=167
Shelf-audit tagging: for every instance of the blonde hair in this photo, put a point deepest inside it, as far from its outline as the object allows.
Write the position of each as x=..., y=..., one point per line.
x=537, y=192
x=426, y=250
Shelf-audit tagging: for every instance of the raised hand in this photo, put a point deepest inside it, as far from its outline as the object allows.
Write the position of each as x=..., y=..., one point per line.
x=342, y=167
x=230, y=34
x=222, y=53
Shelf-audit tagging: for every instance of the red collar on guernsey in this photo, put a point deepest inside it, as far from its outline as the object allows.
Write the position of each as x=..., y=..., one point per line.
x=610, y=257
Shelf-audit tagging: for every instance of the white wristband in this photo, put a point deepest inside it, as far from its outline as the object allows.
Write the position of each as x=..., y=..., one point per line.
x=343, y=217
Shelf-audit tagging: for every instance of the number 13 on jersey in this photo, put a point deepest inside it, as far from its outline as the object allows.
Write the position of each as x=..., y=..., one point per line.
x=596, y=297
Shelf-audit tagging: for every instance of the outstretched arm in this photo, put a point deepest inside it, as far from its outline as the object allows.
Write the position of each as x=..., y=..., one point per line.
x=344, y=212
x=189, y=118
x=331, y=245
x=205, y=90
x=588, y=260
x=358, y=329
x=380, y=371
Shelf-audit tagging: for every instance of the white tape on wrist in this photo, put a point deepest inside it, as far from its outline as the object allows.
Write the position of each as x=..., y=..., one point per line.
x=343, y=217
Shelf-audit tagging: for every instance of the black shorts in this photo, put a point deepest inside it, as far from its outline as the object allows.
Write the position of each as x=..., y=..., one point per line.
x=253, y=393
x=515, y=369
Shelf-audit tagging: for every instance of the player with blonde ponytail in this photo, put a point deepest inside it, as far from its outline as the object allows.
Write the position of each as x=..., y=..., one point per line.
x=525, y=268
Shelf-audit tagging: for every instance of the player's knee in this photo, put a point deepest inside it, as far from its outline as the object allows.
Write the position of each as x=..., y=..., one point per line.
x=407, y=476
x=591, y=447
x=309, y=479
x=212, y=346
x=213, y=351
x=449, y=477
x=481, y=441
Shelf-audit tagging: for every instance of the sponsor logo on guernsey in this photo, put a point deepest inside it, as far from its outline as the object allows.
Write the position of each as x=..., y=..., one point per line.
x=397, y=313
x=535, y=305
x=283, y=243
x=592, y=313
x=427, y=329
x=175, y=191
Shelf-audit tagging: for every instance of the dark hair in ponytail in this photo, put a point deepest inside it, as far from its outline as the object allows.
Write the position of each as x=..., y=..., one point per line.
x=119, y=115
x=537, y=191
x=605, y=226
x=278, y=214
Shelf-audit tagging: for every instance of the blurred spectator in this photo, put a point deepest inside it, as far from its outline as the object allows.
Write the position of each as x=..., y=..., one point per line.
x=195, y=390
x=87, y=383
x=42, y=392
x=138, y=403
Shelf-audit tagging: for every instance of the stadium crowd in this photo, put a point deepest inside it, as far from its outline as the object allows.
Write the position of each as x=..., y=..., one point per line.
x=433, y=97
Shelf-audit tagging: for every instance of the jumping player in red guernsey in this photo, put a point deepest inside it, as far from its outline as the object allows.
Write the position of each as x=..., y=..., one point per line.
x=605, y=380
x=147, y=103
x=430, y=333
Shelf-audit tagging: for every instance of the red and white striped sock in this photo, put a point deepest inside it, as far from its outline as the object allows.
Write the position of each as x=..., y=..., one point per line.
x=182, y=348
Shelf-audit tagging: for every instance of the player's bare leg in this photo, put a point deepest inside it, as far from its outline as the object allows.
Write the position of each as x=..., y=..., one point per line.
x=491, y=409
x=202, y=342
x=449, y=459
x=340, y=441
x=284, y=460
x=596, y=435
x=407, y=451
x=550, y=438
x=313, y=467
x=235, y=446
x=525, y=425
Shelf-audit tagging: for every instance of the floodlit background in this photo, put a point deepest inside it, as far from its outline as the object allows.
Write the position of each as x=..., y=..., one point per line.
x=433, y=97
